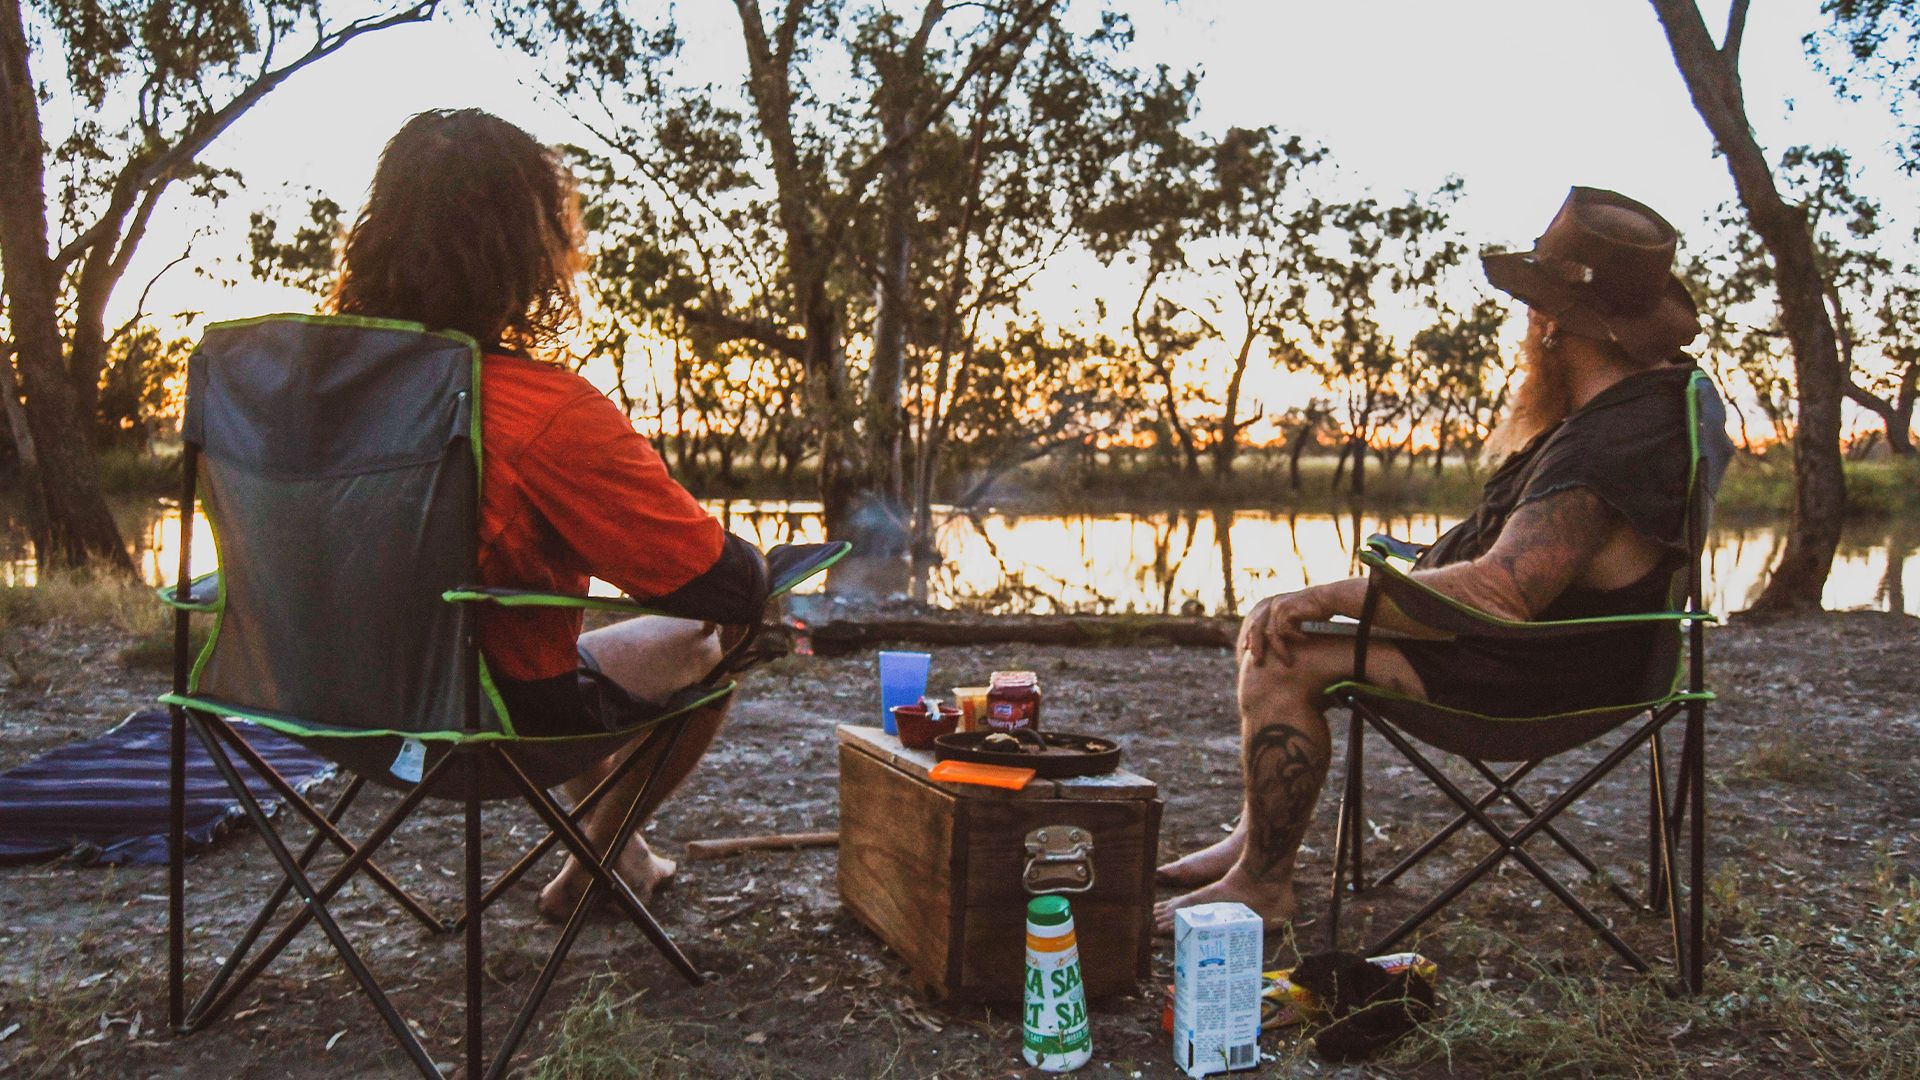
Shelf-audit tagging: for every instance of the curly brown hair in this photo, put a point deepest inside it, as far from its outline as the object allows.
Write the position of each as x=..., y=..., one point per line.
x=471, y=225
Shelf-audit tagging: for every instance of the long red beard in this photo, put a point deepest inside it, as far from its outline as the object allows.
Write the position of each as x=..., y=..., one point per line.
x=1542, y=400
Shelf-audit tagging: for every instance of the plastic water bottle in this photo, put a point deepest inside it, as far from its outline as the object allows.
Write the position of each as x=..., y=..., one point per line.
x=1058, y=1037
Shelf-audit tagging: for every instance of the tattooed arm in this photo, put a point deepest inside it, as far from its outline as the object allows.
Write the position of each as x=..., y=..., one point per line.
x=1546, y=545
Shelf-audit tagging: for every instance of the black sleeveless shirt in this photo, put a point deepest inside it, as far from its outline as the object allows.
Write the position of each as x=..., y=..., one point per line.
x=1630, y=447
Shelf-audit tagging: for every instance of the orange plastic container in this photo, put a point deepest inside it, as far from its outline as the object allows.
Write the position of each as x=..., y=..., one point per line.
x=967, y=772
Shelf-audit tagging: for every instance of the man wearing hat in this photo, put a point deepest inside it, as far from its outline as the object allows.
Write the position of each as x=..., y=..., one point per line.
x=1584, y=517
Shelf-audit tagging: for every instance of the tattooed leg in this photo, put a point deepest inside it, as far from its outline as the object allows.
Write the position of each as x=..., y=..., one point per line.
x=1285, y=747
x=1285, y=767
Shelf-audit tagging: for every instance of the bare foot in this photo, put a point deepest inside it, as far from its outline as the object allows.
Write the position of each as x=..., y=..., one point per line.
x=1209, y=864
x=1273, y=903
x=642, y=870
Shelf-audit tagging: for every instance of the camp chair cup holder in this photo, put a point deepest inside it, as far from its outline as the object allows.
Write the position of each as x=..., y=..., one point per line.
x=1059, y=860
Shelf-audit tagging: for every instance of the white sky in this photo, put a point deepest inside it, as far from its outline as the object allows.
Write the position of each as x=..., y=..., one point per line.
x=1521, y=98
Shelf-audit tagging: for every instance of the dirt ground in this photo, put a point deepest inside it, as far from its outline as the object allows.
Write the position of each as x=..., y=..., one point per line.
x=1814, y=802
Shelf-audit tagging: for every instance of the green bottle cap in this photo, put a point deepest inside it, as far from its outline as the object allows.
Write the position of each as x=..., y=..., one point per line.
x=1048, y=910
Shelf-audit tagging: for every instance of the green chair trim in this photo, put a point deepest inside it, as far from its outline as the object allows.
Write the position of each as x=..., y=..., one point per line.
x=170, y=594
x=290, y=726
x=512, y=598
x=1377, y=561
x=1381, y=693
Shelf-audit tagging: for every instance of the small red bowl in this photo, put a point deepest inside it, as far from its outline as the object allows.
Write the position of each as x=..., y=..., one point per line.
x=918, y=730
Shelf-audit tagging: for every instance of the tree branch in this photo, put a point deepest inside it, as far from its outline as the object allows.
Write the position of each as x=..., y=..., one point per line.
x=1736, y=28
x=160, y=171
x=727, y=327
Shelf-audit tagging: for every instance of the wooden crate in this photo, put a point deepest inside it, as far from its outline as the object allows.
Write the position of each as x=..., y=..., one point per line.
x=935, y=869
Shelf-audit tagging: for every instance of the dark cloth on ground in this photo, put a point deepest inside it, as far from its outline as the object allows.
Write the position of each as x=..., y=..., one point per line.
x=1630, y=447
x=104, y=801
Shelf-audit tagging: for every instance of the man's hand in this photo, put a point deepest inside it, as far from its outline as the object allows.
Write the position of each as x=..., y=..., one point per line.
x=1272, y=629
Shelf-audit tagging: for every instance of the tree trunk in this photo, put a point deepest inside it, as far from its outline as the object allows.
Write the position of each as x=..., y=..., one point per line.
x=62, y=474
x=1226, y=445
x=1298, y=447
x=1359, y=467
x=1712, y=77
x=893, y=304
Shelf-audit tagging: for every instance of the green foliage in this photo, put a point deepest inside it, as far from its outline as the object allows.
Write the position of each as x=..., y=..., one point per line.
x=1872, y=289
x=305, y=259
x=1872, y=47
x=139, y=388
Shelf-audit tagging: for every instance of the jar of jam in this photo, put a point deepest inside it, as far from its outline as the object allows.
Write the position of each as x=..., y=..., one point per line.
x=1013, y=701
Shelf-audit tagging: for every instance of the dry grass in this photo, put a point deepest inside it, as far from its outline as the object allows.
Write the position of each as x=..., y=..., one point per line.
x=1840, y=997
x=607, y=1034
x=1787, y=759
x=85, y=597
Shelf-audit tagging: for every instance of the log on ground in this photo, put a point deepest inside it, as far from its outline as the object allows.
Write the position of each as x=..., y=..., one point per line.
x=847, y=635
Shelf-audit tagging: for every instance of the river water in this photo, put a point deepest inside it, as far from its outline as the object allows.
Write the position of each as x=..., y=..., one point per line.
x=1151, y=562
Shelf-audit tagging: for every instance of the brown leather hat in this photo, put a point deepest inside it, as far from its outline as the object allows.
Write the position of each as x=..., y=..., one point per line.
x=1604, y=269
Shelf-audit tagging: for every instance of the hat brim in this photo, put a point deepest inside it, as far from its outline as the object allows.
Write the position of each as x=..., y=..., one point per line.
x=1654, y=334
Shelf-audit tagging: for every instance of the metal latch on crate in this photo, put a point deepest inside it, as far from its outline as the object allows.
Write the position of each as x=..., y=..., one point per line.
x=1059, y=860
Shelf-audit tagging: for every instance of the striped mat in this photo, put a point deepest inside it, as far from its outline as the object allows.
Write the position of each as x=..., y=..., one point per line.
x=104, y=801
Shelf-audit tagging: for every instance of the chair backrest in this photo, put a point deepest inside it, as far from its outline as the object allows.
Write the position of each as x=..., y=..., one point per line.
x=1711, y=452
x=338, y=462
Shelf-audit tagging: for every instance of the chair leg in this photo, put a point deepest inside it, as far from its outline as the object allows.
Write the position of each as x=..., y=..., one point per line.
x=176, y=870
x=600, y=866
x=1427, y=846
x=473, y=917
x=1356, y=787
x=1697, y=869
x=1656, y=826
x=210, y=1007
x=237, y=954
x=592, y=798
x=326, y=828
x=1573, y=850
x=1510, y=844
x=1343, y=823
x=316, y=906
x=1339, y=871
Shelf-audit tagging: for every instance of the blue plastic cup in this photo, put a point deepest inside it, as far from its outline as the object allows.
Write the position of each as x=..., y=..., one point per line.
x=903, y=681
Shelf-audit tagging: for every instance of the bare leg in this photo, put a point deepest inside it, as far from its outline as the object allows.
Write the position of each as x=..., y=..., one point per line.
x=1210, y=863
x=651, y=657
x=1285, y=747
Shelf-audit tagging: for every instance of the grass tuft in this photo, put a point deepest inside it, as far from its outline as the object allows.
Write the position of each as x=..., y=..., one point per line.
x=1787, y=760
x=605, y=1034
x=1843, y=997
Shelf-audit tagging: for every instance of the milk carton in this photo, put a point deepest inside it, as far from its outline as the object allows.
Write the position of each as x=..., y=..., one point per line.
x=1216, y=988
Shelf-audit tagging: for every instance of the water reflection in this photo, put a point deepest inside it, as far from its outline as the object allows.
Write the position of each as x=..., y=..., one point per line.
x=1217, y=561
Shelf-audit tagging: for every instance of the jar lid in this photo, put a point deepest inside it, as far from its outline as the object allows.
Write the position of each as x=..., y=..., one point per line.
x=1013, y=678
x=1048, y=911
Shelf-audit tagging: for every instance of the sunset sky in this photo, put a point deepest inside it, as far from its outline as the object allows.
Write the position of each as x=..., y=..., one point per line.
x=1521, y=98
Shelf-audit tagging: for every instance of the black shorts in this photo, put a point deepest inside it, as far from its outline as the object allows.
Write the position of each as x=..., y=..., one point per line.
x=1536, y=678
x=583, y=702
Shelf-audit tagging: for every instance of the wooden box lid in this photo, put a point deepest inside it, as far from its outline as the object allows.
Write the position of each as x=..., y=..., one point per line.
x=1117, y=785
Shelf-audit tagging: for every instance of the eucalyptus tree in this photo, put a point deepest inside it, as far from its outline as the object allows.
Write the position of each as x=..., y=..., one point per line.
x=1870, y=284
x=106, y=110
x=1369, y=252
x=1711, y=71
x=810, y=210
x=1461, y=376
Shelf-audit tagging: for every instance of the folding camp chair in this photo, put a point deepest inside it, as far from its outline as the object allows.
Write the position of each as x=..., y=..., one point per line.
x=1674, y=686
x=339, y=459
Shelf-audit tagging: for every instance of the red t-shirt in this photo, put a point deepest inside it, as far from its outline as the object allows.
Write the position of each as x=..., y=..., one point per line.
x=570, y=491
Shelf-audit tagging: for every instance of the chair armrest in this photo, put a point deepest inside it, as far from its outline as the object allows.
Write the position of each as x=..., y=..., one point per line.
x=790, y=565
x=1395, y=548
x=493, y=594
x=1444, y=614
x=203, y=594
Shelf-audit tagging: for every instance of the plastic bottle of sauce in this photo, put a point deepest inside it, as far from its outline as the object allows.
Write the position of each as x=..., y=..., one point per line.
x=1013, y=701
